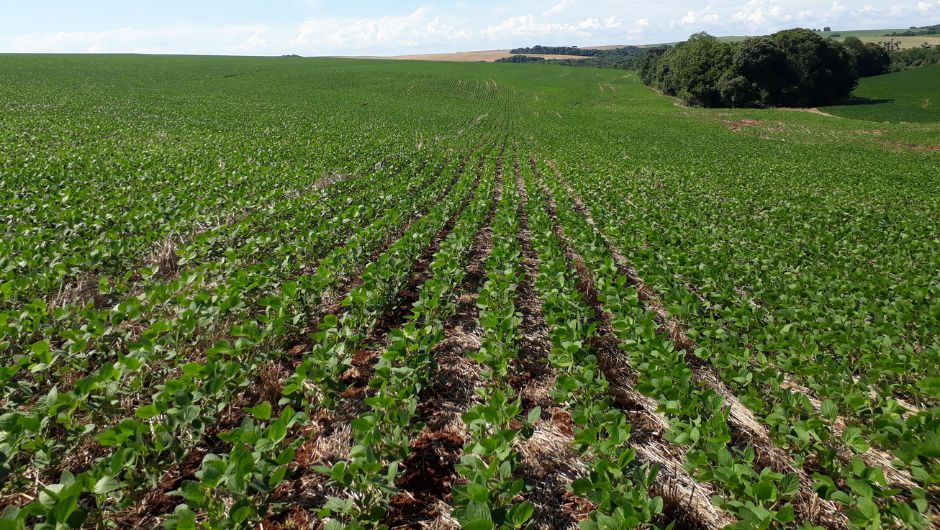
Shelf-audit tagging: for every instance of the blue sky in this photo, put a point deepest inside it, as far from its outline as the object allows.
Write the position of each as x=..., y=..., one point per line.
x=322, y=27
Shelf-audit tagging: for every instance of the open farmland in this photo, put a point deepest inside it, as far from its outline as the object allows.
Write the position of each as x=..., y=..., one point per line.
x=284, y=292
x=911, y=96
x=906, y=43
x=488, y=56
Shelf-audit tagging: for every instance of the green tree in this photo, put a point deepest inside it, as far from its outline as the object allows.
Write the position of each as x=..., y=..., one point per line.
x=870, y=59
x=824, y=69
x=796, y=68
x=766, y=69
x=693, y=70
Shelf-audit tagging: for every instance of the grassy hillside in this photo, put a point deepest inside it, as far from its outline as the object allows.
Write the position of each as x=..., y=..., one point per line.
x=909, y=96
x=270, y=292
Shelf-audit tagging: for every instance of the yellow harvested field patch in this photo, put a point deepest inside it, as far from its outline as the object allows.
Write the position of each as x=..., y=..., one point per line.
x=477, y=56
x=906, y=42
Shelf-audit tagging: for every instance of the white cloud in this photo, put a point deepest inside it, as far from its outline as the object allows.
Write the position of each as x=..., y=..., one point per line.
x=433, y=28
x=357, y=35
x=172, y=39
x=693, y=18
x=312, y=36
x=529, y=26
x=761, y=14
x=418, y=31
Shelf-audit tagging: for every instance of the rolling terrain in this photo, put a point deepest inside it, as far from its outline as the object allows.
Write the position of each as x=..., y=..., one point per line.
x=287, y=292
x=487, y=56
x=909, y=96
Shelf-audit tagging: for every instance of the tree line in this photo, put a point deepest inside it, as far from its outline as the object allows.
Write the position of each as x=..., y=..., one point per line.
x=792, y=68
x=917, y=32
x=626, y=57
x=915, y=58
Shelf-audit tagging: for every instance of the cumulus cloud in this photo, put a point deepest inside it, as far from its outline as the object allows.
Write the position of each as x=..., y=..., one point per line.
x=418, y=31
x=415, y=29
x=171, y=39
x=765, y=16
x=312, y=36
x=761, y=13
x=433, y=28
x=529, y=26
x=693, y=18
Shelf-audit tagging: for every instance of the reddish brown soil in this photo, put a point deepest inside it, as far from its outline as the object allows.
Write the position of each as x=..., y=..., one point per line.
x=397, y=313
x=737, y=126
x=745, y=429
x=429, y=477
x=686, y=501
x=429, y=470
x=296, y=518
x=917, y=148
x=546, y=468
x=158, y=501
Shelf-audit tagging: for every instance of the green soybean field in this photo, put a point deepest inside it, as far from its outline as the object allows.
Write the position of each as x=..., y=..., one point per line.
x=285, y=293
x=913, y=96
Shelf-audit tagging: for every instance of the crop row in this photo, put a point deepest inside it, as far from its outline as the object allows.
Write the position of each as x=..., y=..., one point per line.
x=863, y=485
x=139, y=444
x=315, y=385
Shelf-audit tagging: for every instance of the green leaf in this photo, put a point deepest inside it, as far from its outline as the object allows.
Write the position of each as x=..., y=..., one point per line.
x=42, y=351
x=534, y=415
x=241, y=513
x=106, y=485
x=262, y=411
x=860, y=487
x=764, y=491
x=478, y=493
x=786, y=514
x=477, y=516
x=930, y=386
x=478, y=524
x=146, y=412
x=277, y=431
x=277, y=476
x=789, y=484
x=520, y=513
x=339, y=471
x=65, y=506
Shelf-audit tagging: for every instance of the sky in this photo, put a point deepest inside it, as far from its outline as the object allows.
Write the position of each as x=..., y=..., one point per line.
x=372, y=27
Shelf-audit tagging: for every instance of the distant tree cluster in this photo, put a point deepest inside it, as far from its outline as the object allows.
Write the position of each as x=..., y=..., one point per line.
x=521, y=59
x=538, y=49
x=917, y=32
x=870, y=58
x=915, y=58
x=792, y=68
x=626, y=57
